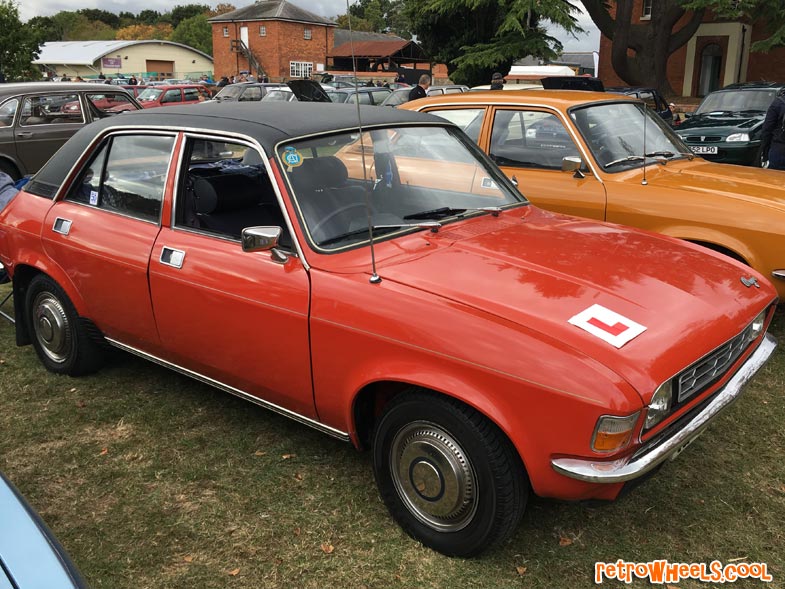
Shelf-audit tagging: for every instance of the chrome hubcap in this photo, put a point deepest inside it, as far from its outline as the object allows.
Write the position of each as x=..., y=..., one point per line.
x=433, y=476
x=52, y=330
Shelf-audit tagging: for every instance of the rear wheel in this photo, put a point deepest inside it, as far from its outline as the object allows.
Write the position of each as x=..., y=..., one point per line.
x=59, y=338
x=7, y=167
x=449, y=477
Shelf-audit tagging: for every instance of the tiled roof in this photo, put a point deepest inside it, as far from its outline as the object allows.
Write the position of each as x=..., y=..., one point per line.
x=272, y=10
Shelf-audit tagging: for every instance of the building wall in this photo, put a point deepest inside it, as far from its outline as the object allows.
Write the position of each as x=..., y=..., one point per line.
x=187, y=62
x=684, y=66
x=283, y=43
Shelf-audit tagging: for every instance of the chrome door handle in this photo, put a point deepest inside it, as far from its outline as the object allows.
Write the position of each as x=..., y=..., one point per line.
x=24, y=134
x=62, y=226
x=172, y=257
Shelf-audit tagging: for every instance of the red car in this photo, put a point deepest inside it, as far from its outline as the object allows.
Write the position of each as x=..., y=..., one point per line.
x=388, y=287
x=155, y=96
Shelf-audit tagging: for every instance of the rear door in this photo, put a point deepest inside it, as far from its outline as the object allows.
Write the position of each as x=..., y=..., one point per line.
x=102, y=232
x=43, y=126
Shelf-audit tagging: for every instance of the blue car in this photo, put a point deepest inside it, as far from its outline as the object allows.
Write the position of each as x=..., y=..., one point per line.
x=30, y=555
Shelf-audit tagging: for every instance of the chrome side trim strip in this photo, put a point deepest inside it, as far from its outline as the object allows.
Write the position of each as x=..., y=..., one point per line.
x=325, y=429
x=778, y=274
x=626, y=469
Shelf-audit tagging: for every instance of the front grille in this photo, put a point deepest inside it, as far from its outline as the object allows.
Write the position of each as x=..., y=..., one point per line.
x=703, y=138
x=710, y=368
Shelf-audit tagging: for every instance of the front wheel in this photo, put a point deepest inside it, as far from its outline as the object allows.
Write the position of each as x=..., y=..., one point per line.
x=60, y=340
x=449, y=477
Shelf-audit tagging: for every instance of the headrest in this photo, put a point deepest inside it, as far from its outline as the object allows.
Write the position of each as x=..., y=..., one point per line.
x=251, y=157
x=225, y=192
x=320, y=172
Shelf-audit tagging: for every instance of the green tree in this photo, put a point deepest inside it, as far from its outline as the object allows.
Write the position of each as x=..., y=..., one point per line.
x=195, y=32
x=771, y=13
x=104, y=16
x=640, y=52
x=19, y=43
x=148, y=17
x=357, y=23
x=46, y=28
x=477, y=37
x=180, y=13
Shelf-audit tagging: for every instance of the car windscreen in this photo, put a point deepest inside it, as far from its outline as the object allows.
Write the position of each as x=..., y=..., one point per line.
x=731, y=101
x=231, y=91
x=403, y=176
x=149, y=94
x=622, y=135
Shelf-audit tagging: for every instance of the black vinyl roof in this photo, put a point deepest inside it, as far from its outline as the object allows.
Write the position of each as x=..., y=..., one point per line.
x=269, y=123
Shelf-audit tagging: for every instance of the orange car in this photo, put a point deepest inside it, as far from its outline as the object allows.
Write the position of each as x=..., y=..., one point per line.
x=607, y=157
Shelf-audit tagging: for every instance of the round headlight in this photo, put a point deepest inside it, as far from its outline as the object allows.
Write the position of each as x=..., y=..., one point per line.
x=660, y=405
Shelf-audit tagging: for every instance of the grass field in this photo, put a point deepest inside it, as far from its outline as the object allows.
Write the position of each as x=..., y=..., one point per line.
x=151, y=480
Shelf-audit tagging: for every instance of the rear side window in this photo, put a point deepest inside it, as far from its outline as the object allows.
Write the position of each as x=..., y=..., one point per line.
x=7, y=112
x=51, y=109
x=126, y=176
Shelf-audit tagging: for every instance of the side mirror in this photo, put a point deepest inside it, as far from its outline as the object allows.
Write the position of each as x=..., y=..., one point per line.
x=263, y=239
x=573, y=163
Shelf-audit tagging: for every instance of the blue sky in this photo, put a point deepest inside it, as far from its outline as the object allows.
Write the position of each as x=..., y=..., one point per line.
x=329, y=8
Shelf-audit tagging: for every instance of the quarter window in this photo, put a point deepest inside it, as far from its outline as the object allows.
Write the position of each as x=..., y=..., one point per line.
x=468, y=119
x=7, y=112
x=127, y=176
x=530, y=139
x=300, y=69
x=51, y=109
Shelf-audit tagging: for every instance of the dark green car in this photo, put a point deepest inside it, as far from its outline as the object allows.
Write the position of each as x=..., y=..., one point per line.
x=727, y=125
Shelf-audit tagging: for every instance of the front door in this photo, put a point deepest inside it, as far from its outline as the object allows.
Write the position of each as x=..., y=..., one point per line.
x=43, y=125
x=235, y=317
x=530, y=145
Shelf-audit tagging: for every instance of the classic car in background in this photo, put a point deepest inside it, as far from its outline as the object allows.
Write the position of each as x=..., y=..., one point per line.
x=37, y=118
x=482, y=348
x=726, y=127
x=30, y=555
x=157, y=96
x=608, y=157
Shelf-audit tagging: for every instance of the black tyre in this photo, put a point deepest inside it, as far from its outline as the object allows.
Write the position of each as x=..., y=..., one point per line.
x=449, y=477
x=59, y=337
x=8, y=168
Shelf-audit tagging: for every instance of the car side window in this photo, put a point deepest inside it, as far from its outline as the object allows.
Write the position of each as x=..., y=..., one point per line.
x=468, y=119
x=172, y=96
x=111, y=103
x=8, y=111
x=192, y=94
x=224, y=189
x=251, y=93
x=127, y=176
x=363, y=97
x=649, y=99
x=530, y=139
x=50, y=109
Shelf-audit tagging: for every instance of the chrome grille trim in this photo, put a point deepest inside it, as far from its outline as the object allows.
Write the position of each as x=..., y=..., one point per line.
x=704, y=138
x=711, y=367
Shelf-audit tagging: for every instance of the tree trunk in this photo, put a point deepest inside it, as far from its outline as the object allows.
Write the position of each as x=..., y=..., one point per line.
x=640, y=52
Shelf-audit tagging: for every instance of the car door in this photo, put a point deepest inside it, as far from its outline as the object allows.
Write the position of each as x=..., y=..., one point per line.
x=530, y=144
x=7, y=140
x=103, y=229
x=235, y=317
x=42, y=127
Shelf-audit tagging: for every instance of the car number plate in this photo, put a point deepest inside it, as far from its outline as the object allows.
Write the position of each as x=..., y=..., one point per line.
x=704, y=149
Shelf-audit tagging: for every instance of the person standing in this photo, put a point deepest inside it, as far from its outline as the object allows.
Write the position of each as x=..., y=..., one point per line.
x=773, y=135
x=419, y=91
x=497, y=81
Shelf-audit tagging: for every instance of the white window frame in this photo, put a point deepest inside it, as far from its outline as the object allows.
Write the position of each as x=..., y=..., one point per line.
x=300, y=69
x=307, y=34
x=262, y=30
x=226, y=31
x=646, y=9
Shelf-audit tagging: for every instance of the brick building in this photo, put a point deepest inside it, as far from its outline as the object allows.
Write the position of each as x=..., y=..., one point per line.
x=718, y=54
x=272, y=38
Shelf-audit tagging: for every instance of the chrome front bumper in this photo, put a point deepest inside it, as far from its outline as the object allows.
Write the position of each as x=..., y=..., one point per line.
x=646, y=459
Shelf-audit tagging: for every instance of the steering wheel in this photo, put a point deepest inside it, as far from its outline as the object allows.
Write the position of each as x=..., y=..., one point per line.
x=324, y=222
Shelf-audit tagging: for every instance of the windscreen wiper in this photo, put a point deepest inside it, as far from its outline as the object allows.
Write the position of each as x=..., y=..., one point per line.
x=442, y=212
x=432, y=225
x=623, y=160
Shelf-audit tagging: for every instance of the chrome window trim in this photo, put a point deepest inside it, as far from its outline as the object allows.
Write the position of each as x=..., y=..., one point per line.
x=324, y=428
x=253, y=144
x=57, y=197
x=24, y=98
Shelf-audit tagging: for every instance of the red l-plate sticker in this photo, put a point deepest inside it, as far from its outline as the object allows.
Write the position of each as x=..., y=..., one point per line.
x=607, y=325
x=616, y=329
